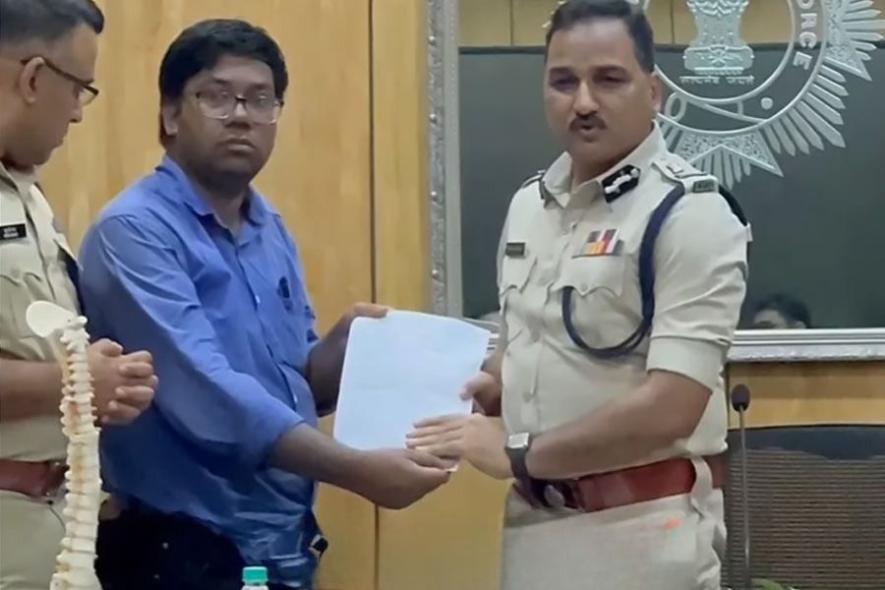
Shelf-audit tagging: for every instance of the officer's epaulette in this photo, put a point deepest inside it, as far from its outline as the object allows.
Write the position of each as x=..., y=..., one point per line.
x=538, y=179
x=620, y=182
x=533, y=179
x=691, y=178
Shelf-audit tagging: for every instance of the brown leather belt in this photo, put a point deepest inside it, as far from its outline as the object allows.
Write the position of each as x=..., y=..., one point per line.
x=37, y=480
x=602, y=491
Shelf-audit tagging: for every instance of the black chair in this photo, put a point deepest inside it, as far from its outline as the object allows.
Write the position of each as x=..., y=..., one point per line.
x=817, y=507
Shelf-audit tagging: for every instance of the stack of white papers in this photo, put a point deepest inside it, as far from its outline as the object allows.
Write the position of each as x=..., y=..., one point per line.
x=401, y=369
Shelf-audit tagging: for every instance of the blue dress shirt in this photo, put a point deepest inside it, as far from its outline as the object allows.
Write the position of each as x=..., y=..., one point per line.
x=230, y=327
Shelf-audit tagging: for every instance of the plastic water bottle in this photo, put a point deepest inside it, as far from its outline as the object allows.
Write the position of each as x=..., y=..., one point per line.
x=255, y=578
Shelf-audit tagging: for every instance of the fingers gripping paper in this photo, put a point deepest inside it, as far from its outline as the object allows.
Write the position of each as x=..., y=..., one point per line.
x=403, y=368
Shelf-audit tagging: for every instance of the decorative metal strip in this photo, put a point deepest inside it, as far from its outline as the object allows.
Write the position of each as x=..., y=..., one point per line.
x=444, y=154
x=808, y=345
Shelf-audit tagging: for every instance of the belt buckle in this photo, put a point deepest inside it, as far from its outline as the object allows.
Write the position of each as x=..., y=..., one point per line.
x=553, y=496
x=55, y=478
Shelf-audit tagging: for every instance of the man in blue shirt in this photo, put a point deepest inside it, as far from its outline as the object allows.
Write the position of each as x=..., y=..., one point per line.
x=193, y=265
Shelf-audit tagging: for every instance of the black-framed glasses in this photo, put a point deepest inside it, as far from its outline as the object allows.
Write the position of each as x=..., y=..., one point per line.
x=261, y=107
x=86, y=92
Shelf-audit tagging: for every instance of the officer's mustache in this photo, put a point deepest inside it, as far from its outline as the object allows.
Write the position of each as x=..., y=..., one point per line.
x=590, y=121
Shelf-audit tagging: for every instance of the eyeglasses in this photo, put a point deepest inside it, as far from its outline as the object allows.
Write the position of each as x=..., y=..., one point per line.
x=86, y=92
x=220, y=104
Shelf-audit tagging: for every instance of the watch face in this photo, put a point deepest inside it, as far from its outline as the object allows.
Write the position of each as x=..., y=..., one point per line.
x=518, y=440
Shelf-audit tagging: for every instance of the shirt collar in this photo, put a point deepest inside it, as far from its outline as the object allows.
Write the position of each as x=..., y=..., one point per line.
x=22, y=180
x=257, y=211
x=556, y=182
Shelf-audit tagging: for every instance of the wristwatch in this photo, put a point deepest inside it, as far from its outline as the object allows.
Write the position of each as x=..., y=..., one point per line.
x=517, y=448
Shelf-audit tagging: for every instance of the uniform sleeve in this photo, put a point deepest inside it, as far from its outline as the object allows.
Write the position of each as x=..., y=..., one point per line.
x=133, y=280
x=700, y=283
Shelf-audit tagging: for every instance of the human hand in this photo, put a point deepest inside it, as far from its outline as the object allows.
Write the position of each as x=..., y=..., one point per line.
x=485, y=391
x=124, y=385
x=478, y=439
x=397, y=478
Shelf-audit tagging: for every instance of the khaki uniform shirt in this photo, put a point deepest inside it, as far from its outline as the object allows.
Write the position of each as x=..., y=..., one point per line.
x=555, y=237
x=33, y=256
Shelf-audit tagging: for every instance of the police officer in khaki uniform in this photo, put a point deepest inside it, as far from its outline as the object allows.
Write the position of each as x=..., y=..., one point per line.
x=622, y=272
x=47, y=59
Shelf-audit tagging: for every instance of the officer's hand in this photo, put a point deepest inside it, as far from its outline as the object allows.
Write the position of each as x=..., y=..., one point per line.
x=124, y=385
x=485, y=391
x=397, y=478
x=477, y=439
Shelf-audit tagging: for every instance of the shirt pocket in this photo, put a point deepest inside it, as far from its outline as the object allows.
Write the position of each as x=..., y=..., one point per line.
x=590, y=275
x=515, y=273
x=598, y=310
x=22, y=281
x=295, y=319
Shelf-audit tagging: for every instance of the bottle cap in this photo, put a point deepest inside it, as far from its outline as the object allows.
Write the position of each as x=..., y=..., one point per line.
x=255, y=575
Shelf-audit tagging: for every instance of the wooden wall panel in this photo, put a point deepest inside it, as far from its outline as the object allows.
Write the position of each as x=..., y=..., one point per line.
x=806, y=394
x=399, y=154
x=485, y=23
x=319, y=176
x=529, y=17
x=451, y=539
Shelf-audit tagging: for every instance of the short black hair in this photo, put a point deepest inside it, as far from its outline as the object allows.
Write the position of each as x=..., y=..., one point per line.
x=202, y=45
x=46, y=20
x=791, y=308
x=575, y=12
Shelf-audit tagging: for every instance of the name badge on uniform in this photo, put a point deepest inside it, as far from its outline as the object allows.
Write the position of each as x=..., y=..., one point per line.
x=14, y=231
x=602, y=244
x=515, y=249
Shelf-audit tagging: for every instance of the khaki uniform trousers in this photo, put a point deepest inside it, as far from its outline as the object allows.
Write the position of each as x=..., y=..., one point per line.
x=30, y=539
x=668, y=544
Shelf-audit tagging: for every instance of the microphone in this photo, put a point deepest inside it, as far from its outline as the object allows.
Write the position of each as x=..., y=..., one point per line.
x=740, y=402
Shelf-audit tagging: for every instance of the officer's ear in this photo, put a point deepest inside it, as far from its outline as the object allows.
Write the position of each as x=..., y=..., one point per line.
x=27, y=79
x=657, y=91
x=169, y=112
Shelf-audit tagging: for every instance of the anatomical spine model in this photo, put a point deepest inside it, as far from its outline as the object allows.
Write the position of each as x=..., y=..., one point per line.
x=75, y=567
